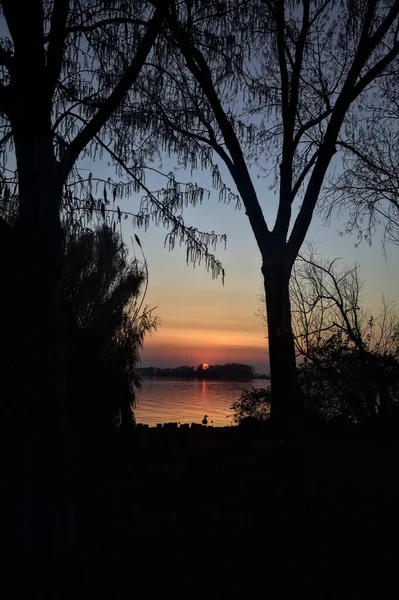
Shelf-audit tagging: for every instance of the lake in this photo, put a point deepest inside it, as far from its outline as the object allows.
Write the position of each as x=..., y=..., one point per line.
x=169, y=399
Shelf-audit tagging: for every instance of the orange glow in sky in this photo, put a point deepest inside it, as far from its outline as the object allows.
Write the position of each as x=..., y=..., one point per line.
x=201, y=319
x=174, y=346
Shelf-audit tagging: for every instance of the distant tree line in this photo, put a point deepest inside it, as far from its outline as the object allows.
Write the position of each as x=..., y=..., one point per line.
x=226, y=371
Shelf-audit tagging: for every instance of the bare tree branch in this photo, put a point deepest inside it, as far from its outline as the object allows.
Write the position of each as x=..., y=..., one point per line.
x=198, y=66
x=114, y=99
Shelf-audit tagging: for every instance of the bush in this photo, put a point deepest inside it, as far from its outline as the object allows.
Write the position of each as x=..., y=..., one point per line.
x=341, y=385
x=252, y=407
x=343, y=381
x=105, y=328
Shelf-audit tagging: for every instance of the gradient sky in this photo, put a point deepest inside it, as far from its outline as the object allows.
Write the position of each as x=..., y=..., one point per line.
x=204, y=321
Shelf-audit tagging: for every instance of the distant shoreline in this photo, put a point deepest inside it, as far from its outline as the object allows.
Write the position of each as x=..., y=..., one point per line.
x=204, y=378
x=227, y=371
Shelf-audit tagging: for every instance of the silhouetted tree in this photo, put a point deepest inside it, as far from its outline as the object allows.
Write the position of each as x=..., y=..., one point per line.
x=226, y=371
x=350, y=357
x=368, y=187
x=68, y=77
x=62, y=80
x=272, y=83
x=340, y=380
x=326, y=301
x=252, y=407
x=106, y=323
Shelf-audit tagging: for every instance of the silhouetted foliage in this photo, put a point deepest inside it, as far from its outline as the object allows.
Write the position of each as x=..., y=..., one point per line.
x=183, y=371
x=105, y=320
x=367, y=189
x=105, y=328
x=226, y=371
x=107, y=44
x=253, y=406
x=351, y=356
x=326, y=298
x=341, y=380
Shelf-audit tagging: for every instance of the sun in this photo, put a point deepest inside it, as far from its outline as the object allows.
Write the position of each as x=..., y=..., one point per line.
x=205, y=366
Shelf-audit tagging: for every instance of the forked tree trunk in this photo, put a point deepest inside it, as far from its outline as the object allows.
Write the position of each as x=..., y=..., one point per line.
x=287, y=404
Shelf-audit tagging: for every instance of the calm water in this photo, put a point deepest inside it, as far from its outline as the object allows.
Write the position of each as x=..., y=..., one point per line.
x=162, y=400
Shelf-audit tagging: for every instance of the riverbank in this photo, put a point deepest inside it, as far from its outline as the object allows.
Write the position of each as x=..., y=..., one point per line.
x=243, y=515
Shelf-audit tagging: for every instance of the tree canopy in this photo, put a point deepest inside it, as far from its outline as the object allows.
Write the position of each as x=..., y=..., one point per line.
x=366, y=190
x=106, y=322
x=78, y=66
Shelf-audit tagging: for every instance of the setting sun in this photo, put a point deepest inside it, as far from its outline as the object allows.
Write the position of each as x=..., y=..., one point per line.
x=205, y=366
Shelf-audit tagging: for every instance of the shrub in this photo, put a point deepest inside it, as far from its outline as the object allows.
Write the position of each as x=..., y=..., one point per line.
x=105, y=328
x=343, y=381
x=252, y=406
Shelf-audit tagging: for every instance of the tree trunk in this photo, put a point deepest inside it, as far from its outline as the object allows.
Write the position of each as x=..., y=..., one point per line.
x=37, y=435
x=287, y=404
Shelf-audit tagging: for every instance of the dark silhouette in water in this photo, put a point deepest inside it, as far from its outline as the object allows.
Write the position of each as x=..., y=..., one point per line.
x=205, y=420
x=225, y=371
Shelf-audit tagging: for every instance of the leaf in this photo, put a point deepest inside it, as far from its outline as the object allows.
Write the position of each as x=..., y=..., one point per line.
x=103, y=210
x=119, y=213
x=137, y=239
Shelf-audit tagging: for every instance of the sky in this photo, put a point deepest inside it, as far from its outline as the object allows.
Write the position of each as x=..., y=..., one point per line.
x=203, y=320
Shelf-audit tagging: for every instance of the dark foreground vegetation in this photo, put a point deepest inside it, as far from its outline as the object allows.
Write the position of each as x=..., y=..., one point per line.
x=243, y=513
x=232, y=513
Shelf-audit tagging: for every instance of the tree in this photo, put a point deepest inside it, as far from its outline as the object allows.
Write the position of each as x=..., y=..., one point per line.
x=44, y=92
x=368, y=187
x=350, y=358
x=273, y=83
x=252, y=407
x=106, y=323
x=326, y=301
x=68, y=72
x=226, y=371
x=105, y=319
